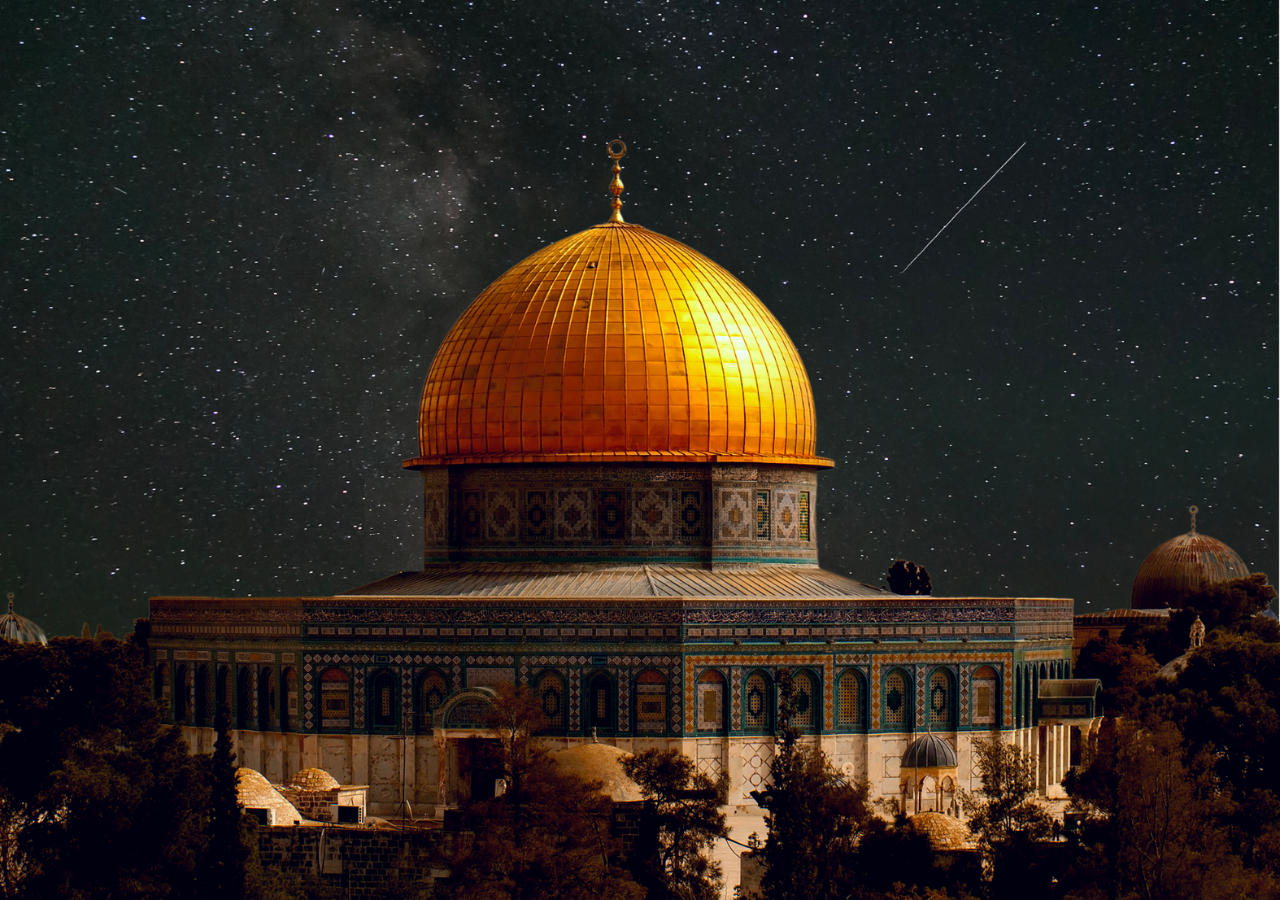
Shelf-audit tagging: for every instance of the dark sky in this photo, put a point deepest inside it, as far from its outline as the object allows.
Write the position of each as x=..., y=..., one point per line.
x=233, y=235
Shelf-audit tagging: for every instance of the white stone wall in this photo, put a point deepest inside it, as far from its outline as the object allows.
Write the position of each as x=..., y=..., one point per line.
x=381, y=762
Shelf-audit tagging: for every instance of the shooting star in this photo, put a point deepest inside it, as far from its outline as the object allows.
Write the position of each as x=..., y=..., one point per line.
x=961, y=209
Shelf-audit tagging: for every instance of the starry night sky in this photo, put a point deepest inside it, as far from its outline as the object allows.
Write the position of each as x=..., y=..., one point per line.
x=233, y=235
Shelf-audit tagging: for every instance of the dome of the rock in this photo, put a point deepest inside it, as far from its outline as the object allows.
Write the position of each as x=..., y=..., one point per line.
x=616, y=344
x=1182, y=565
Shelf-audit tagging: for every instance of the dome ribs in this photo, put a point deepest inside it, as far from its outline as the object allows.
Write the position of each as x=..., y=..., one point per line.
x=616, y=343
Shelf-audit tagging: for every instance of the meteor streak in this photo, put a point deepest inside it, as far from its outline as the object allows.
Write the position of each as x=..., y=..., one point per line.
x=961, y=209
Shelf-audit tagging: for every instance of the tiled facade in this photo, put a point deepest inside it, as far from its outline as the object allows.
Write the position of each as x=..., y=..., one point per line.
x=646, y=512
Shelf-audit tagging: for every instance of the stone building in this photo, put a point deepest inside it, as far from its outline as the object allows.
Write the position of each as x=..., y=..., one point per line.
x=1175, y=569
x=619, y=475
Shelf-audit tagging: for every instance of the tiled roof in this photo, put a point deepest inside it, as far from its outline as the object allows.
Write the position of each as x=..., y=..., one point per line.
x=568, y=581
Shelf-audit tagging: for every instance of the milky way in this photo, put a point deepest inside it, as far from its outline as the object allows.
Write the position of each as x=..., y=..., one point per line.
x=233, y=237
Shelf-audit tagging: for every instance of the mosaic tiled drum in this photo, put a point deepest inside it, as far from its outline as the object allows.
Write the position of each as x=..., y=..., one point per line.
x=621, y=348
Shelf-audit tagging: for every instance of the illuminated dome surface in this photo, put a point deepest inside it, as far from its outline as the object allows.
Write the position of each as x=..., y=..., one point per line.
x=20, y=629
x=1182, y=565
x=617, y=344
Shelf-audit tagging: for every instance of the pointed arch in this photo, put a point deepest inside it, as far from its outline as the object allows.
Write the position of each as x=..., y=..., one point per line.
x=384, y=701
x=851, y=702
x=897, y=693
x=244, y=698
x=431, y=692
x=941, y=699
x=266, y=698
x=710, y=701
x=759, y=703
x=806, y=696
x=985, y=697
x=554, y=701
x=601, y=706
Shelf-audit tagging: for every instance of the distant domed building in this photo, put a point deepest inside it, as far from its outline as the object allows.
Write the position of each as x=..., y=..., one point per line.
x=617, y=449
x=18, y=628
x=1182, y=565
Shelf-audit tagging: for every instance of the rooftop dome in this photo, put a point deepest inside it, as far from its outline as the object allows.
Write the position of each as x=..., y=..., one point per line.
x=943, y=832
x=616, y=344
x=1182, y=565
x=311, y=780
x=599, y=762
x=20, y=629
x=254, y=791
x=929, y=752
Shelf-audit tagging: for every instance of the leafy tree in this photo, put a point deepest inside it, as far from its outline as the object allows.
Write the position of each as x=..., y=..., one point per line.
x=685, y=806
x=909, y=579
x=100, y=798
x=547, y=837
x=815, y=818
x=1155, y=829
x=1126, y=672
x=1006, y=820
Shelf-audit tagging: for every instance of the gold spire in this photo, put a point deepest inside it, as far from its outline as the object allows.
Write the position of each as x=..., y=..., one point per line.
x=1193, y=510
x=615, y=186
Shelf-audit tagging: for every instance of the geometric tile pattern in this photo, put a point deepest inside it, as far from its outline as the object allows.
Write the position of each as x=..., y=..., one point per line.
x=734, y=517
x=501, y=515
x=651, y=519
x=696, y=662
x=757, y=759
x=882, y=662
x=787, y=519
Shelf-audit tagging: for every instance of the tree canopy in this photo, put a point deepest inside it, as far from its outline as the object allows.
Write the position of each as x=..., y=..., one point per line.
x=98, y=798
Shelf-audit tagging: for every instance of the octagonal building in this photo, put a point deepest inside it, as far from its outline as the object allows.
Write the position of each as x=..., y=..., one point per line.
x=617, y=450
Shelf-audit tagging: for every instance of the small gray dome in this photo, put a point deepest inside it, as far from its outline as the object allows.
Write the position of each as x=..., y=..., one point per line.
x=20, y=629
x=929, y=752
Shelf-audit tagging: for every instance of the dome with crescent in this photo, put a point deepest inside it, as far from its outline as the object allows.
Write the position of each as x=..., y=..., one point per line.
x=617, y=344
x=1182, y=565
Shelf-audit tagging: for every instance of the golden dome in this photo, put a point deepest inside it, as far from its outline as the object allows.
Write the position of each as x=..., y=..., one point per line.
x=616, y=344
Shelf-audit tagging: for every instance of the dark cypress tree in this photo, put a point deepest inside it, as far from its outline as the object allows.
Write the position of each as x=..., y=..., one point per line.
x=228, y=851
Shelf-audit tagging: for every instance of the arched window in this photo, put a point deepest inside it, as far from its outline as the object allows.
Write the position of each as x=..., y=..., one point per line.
x=550, y=691
x=222, y=690
x=651, y=702
x=759, y=703
x=942, y=698
x=432, y=689
x=985, y=702
x=711, y=701
x=164, y=695
x=203, y=718
x=181, y=695
x=244, y=698
x=266, y=699
x=852, y=700
x=335, y=699
x=897, y=700
x=806, y=699
x=289, y=710
x=600, y=703
x=383, y=702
